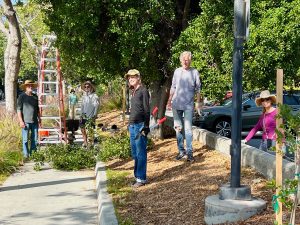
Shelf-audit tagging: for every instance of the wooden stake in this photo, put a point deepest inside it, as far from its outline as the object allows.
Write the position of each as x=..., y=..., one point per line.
x=279, y=99
x=124, y=103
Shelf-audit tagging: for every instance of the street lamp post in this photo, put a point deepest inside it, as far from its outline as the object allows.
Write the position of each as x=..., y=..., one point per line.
x=239, y=36
x=235, y=190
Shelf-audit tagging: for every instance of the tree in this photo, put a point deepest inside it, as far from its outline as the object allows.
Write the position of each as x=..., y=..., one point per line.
x=12, y=53
x=103, y=39
x=273, y=43
x=30, y=17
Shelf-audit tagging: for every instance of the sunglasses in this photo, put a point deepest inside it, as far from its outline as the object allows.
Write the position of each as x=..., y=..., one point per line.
x=87, y=86
x=265, y=99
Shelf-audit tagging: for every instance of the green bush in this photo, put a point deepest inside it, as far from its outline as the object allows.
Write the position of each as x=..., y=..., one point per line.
x=9, y=161
x=116, y=146
x=111, y=104
x=10, y=143
x=66, y=157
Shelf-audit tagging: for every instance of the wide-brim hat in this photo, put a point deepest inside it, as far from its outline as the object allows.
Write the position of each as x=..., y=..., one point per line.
x=28, y=82
x=89, y=83
x=265, y=94
x=132, y=72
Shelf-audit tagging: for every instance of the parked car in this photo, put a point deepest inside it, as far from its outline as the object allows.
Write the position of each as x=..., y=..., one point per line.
x=218, y=118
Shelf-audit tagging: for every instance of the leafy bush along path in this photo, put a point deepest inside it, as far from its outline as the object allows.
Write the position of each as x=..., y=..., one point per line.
x=177, y=190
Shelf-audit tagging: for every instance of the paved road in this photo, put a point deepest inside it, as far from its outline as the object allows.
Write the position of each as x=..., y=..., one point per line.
x=48, y=197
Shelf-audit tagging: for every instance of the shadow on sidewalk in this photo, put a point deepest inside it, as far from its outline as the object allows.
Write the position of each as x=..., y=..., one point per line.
x=24, y=186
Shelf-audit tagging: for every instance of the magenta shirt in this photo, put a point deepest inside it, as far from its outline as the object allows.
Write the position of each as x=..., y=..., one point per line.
x=270, y=124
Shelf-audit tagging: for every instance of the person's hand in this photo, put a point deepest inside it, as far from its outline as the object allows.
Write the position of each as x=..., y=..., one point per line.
x=169, y=105
x=244, y=141
x=145, y=131
x=22, y=124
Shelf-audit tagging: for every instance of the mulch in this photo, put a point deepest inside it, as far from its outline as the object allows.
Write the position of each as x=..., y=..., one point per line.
x=177, y=190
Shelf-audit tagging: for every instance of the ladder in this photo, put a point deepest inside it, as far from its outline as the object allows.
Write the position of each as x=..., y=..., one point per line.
x=50, y=95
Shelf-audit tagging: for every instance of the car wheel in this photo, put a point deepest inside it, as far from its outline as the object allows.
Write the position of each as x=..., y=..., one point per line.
x=223, y=127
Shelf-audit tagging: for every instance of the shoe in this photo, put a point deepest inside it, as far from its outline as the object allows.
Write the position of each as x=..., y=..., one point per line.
x=180, y=156
x=138, y=184
x=190, y=158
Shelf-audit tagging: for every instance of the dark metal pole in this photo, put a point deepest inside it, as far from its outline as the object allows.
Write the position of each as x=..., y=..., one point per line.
x=127, y=98
x=239, y=36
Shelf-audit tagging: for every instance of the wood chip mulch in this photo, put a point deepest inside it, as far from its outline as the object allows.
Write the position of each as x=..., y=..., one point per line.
x=177, y=189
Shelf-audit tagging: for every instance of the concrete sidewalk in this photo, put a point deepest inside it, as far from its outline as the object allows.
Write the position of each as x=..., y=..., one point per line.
x=48, y=197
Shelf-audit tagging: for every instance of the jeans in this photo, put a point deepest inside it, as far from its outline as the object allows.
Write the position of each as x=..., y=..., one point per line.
x=183, y=119
x=266, y=144
x=138, y=151
x=33, y=129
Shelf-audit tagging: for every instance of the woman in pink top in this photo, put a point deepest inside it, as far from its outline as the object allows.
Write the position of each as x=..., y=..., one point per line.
x=266, y=122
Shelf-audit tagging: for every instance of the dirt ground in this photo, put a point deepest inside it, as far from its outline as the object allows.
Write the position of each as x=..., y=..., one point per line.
x=177, y=189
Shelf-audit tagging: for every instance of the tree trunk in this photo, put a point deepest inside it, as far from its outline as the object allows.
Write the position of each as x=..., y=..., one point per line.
x=186, y=12
x=12, y=56
x=159, y=98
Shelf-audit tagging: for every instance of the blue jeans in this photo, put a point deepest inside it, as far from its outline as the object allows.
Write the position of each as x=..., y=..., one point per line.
x=33, y=129
x=183, y=121
x=138, y=151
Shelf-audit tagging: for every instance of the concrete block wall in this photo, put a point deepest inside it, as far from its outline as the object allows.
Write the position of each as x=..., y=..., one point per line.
x=262, y=162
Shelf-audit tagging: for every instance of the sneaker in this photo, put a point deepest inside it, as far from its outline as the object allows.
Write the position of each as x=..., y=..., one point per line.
x=138, y=184
x=180, y=156
x=190, y=158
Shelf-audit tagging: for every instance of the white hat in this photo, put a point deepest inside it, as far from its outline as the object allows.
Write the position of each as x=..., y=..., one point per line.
x=263, y=95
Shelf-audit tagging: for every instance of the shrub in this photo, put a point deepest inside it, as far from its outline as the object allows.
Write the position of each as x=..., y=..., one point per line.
x=10, y=143
x=116, y=146
x=66, y=157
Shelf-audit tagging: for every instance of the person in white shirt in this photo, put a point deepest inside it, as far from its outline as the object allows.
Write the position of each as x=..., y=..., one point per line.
x=89, y=108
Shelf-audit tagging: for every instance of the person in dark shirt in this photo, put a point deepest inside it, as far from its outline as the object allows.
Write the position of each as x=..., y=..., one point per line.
x=138, y=126
x=29, y=117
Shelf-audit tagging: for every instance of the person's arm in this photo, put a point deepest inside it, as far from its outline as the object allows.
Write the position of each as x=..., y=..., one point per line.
x=253, y=131
x=146, y=106
x=96, y=104
x=198, y=89
x=172, y=91
x=20, y=112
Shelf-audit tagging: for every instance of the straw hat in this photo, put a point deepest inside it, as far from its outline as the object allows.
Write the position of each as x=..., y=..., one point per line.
x=28, y=82
x=89, y=83
x=132, y=72
x=265, y=94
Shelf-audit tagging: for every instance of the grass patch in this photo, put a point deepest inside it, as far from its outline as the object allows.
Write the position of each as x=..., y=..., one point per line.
x=10, y=144
x=118, y=185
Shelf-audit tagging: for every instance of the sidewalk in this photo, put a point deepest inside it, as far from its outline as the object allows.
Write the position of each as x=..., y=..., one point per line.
x=48, y=197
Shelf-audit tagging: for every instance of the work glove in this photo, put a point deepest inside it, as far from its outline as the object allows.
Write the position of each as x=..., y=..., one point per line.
x=145, y=131
x=243, y=141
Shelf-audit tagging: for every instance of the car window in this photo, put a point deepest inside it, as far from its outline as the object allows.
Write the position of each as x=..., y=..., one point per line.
x=250, y=102
x=291, y=100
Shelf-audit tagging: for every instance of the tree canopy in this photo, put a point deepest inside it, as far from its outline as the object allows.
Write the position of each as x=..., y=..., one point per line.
x=101, y=39
x=274, y=43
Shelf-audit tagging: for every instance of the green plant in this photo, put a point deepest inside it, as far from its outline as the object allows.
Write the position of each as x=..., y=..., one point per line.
x=66, y=157
x=10, y=143
x=116, y=146
x=289, y=133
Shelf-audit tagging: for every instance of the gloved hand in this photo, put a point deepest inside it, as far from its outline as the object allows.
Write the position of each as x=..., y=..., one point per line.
x=145, y=131
x=243, y=141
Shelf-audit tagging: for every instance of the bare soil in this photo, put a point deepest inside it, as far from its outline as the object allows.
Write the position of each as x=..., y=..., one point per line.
x=177, y=189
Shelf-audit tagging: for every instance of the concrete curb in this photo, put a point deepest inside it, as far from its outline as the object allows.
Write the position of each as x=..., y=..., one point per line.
x=262, y=162
x=106, y=211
